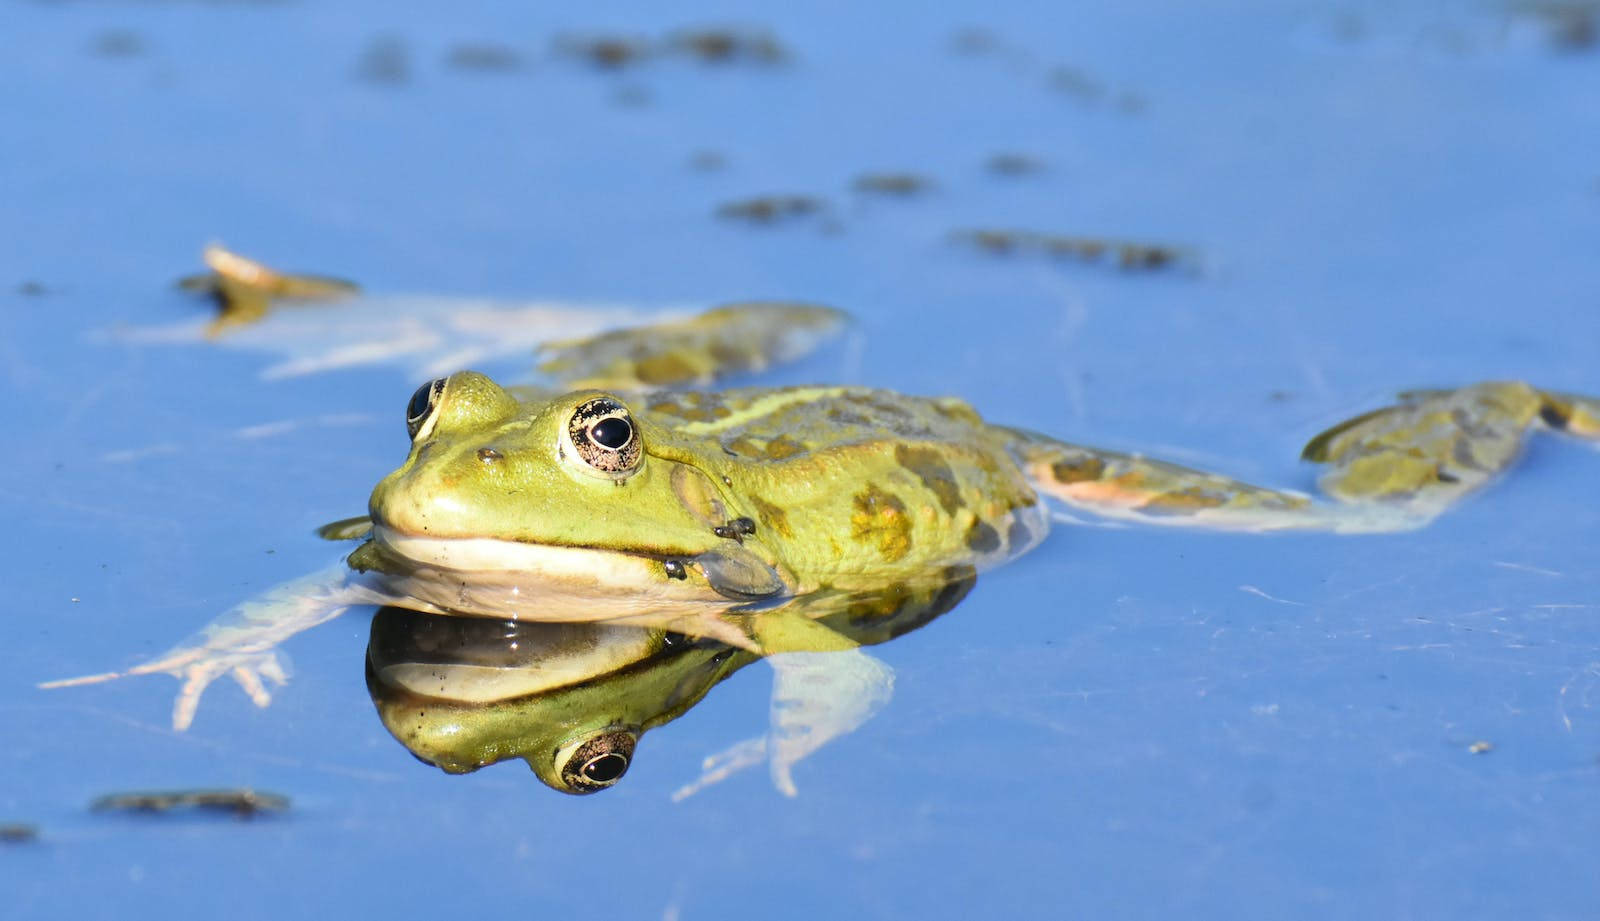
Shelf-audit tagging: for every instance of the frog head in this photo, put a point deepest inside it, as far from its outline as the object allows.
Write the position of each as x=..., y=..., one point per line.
x=563, y=495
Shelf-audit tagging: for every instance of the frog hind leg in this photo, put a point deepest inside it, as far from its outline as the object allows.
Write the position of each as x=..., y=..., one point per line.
x=816, y=698
x=1131, y=487
x=1391, y=469
x=824, y=686
x=732, y=339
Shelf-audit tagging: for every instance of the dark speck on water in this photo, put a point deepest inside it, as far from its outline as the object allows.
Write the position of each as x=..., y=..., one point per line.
x=707, y=161
x=243, y=802
x=723, y=46
x=1569, y=25
x=1123, y=254
x=385, y=62
x=483, y=58
x=118, y=43
x=1013, y=164
x=708, y=46
x=770, y=209
x=607, y=52
x=18, y=833
x=902, y=185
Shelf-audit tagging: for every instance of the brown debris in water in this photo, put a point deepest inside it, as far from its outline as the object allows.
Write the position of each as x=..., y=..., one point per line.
x=242, y=802
x=771, y=209
x=1126, y=255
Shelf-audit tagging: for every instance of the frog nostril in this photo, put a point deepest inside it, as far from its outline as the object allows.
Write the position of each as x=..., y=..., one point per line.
x=489, y=455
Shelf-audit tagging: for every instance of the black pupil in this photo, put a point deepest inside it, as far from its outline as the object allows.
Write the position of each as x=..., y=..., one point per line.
x=611, y=433
x=606, y=768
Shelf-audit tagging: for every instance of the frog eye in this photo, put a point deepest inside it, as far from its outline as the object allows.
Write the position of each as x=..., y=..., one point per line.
x=597, y=762
x=604, y=437
x=420, y=410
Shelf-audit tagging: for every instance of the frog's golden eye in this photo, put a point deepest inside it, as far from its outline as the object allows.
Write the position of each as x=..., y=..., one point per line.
x=597, y=762
x=420, y=410
x=603, y=436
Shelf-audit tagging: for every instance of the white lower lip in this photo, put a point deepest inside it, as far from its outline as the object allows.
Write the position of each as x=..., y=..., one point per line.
x=482, y=554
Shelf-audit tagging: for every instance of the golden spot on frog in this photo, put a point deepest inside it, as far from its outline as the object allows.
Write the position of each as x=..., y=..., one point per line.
x=930, y=467
x=880, y=518
x=772, y=516
x=783, y=447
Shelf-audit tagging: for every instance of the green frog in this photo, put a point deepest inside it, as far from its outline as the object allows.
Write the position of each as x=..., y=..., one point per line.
x=632, y=492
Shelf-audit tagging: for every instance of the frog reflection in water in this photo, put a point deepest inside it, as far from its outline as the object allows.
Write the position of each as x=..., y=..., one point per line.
x=737, y=514
x=574, y=699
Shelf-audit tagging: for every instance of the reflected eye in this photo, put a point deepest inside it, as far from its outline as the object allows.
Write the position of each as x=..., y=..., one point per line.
x=604, y=438
x=421, y=406
x=598, y=762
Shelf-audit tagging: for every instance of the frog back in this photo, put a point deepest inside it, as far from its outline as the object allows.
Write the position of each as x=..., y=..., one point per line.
x=850, y=484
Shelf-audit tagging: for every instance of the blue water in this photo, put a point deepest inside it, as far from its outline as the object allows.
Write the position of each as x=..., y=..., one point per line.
x=1126, y=723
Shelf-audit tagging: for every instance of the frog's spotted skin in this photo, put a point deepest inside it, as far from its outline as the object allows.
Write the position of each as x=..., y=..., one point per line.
x=737, y=338
x=745, y=494
x=1438, y=445
x=613, y=502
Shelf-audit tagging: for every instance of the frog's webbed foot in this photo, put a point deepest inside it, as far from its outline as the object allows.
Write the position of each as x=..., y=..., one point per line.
x=244, y=289
x=197, y=668
x=243, y=642
x=696, y=351
x=1424, y=454
x=816, y=698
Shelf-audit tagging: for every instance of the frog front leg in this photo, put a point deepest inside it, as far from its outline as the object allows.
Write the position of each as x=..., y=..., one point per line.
x=243, y=642
x=824, y=685
x=1393, y=469
x=816, y=698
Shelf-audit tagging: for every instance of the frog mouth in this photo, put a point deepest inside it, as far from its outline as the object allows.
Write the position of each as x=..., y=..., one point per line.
x=539, y=561
x=555, y=570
